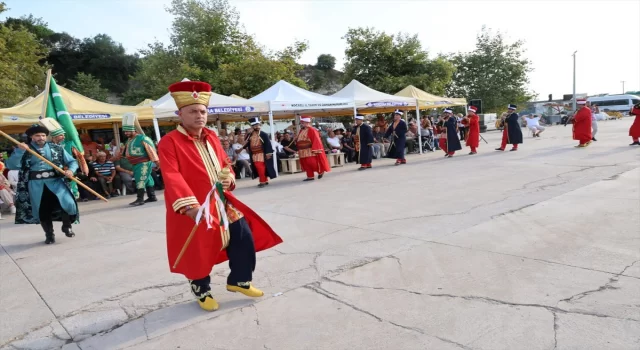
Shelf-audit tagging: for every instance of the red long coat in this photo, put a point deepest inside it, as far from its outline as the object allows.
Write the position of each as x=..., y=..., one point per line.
x=188, y=168
x=582, y=125
x=321, y=165
x=634, y=130
x=473, y=134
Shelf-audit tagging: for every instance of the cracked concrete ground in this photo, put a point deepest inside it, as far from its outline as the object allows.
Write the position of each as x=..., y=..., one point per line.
x=535, y=249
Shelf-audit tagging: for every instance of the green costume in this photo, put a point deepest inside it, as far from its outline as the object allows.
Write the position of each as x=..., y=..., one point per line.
x=55, y=130
x=141, y=153
x=137, y=152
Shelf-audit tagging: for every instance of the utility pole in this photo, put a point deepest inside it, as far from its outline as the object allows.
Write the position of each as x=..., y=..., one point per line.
x=574, y=81
x=623, y=86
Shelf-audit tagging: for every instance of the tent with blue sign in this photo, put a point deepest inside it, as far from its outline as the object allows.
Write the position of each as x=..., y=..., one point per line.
x=86, y=113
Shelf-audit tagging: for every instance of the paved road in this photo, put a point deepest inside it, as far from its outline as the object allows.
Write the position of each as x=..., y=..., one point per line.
x=535, y=249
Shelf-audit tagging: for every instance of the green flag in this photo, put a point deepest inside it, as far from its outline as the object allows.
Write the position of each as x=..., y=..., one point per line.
x=58, y=111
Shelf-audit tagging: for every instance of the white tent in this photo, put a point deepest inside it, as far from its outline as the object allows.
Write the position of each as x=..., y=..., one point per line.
x=285, y=97
x=366, y=97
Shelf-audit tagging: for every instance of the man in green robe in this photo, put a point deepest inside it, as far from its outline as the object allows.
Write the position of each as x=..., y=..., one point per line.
x=141, y=153
x=57, y=134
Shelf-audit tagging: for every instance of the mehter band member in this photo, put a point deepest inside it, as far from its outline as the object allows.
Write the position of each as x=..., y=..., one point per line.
x=44, y=195
x=193, y=164
x=397, y=134
x=582, y=124
x=512, y=133
x=363, y=137
x=634, y=130
x=451, y=126
x=141, y=153
x=473, y=130
x=260, y=150
x=311, y=151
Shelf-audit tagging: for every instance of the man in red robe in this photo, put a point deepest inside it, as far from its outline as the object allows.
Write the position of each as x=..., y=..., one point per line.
x=193, y=161
x=311, y=151
x=473, y=130
x=634, y=130
x=582, y=124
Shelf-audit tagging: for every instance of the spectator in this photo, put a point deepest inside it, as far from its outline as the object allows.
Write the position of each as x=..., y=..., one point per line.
x=91, y=180
x=292, y=128
x=106, y=172
x=124, y=170
x=242, y=157
x=114, y=148
x=533, y=123
x=333, y=142
x=90, y=147
x=380, y=145
x=6, y=194
x=288, y=146
x=412, y=135
x=381, y=123
x=348, y=146
x=461, y=126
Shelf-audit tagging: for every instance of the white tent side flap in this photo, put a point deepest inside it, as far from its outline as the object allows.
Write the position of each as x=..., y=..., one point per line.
x=366, y=97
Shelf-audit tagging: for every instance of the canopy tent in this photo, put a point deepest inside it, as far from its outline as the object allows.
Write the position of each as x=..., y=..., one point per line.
x=370, y=101
x=238, y=97
x=287, y=99
x=146, y=102
x=85, y=112
x=428, y=100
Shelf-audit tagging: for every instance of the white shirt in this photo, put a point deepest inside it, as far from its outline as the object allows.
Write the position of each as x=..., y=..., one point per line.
x=334, y=141
x=531, y=122
x=242, y=155
x=277, y=147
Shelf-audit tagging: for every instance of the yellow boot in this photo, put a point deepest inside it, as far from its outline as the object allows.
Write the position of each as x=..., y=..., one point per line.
x=247, y=289
x=208, y=303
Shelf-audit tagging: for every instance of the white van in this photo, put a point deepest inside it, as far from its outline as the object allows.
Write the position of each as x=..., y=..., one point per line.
x=619, y=103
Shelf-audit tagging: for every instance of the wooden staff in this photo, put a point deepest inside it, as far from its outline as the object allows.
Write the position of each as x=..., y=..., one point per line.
x=60, y=170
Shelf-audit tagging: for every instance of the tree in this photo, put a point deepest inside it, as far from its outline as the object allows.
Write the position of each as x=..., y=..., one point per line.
x=252, y=76
x=88, y=85
x=21, y=74
x=209, y=44
x=389, y=63
x=326, y=62
x=107, y=61
x=495, y=72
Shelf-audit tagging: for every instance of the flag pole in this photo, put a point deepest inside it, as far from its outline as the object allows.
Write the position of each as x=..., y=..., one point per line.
x=57, y=168
x=45, y=94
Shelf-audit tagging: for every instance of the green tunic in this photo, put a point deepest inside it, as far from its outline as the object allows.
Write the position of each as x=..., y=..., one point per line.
x=141, y=153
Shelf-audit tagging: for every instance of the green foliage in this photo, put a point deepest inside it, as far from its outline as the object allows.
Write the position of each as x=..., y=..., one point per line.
x=88, y=85
x=326, y=62
x=209, y=44
x=99, y=56
x=495, y=72
x=389, y=63
x=21, y=74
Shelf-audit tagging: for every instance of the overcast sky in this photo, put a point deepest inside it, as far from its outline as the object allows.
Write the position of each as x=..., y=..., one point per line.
x=606, y=34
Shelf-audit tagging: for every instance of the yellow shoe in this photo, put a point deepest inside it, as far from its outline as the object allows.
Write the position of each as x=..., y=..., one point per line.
x=251, y=291
x=209, y=304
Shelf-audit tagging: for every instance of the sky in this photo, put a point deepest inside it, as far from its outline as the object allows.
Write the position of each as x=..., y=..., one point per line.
x=605, y=34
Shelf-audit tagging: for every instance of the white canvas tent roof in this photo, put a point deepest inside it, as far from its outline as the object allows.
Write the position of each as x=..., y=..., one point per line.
x=285, y=97
x=165, y=106
x=366, y=97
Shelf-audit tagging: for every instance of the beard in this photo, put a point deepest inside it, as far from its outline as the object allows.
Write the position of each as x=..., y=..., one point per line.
x=40, y=142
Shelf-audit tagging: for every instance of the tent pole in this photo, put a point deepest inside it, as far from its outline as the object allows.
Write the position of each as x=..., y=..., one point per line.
x=156, y=127
x=116, y=134
x=419, y=125
x=218, y=124
x=273, y=137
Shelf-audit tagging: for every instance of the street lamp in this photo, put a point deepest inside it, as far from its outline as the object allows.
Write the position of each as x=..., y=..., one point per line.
x=623, y=86
x=574, y=81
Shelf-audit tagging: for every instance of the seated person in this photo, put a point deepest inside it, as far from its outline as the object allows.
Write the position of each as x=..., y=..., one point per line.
x=91, y=180
x=533, y=124
x=106, y=173
x=124, y=169
x=333, y=142
x=348, y=146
